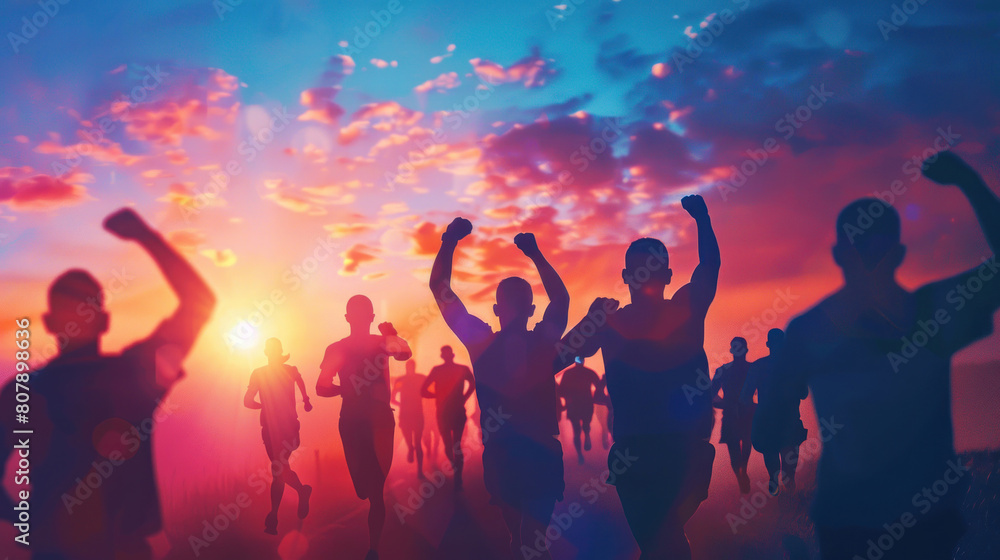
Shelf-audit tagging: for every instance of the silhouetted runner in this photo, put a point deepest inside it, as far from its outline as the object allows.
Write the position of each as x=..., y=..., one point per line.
x=515, y=386
x=737, y=416
x=367, y=426
x=279, y=425
x=877, y=358
x=450, y=393
x=576, y=388
x=777, y=430
x=94, y=414
x=406, y=394
x=654, y=359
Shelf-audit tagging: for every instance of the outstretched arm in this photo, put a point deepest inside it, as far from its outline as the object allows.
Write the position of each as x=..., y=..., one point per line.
x=557, y=313
x=585, y=339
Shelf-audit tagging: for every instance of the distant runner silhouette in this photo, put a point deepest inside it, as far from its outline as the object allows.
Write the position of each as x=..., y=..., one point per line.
x=453, y=385
x=877, y=358
x=89, y=408
x=576, y=388
x=279, y=425
x=367, y=426
x=777, y=430
x=406, y=394
x=737, y=415
x=605, y=413
x=654, y=358
x=516, y=389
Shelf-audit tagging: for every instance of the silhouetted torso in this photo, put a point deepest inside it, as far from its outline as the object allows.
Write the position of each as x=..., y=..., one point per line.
x=97, y=409
x=449, y=388
x=364, y=376
x=411, y=404
x=896, y=437
x=276, y=384
x=733, y=376
x=653, y=357
x=514, y=376
x=575, y=387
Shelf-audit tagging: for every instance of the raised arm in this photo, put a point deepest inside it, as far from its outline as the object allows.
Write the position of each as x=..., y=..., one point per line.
x=250, y=398
x=196, y=299
x=332, y=362
x=556, y=315
x=452, y=308
x=947, y=168
x=705, y=279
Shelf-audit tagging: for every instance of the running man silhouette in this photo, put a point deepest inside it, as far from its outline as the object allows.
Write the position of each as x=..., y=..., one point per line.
x=367, y=426
x=737, y=415
x=576, y=388
x=777, y=430
x=450, y=393
x=877, y=358
x=654, y=359
x=279, y=425
x=515, y=386
x=89, y=408
x=406, y=394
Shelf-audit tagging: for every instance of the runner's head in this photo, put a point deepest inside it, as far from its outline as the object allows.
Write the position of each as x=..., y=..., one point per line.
x=447, y=354
x=775, y=340
x=738, y=347
x=76, y=314
x=411, y=367
x=514, y=301
x=272, y=349
x=360, y=312
x=868, y=240
x=647, y=267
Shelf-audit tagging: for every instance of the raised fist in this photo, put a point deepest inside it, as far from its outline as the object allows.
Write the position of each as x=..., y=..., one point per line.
x=695, y=205
x=458, y=229
x=607, y=305
x=946, y=168
x=387, y=329
x=526, y=243
x=307, y=405
x=126, y=224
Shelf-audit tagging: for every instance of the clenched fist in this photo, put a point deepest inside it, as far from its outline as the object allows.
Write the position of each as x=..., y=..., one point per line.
x=526, y=243
x=387, y=329
x=126, y=224
x=695, y=205
x=457, y=230
x=946, y=168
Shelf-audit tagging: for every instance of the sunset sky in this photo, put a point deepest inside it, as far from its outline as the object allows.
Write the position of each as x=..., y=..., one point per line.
x=299, y=152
